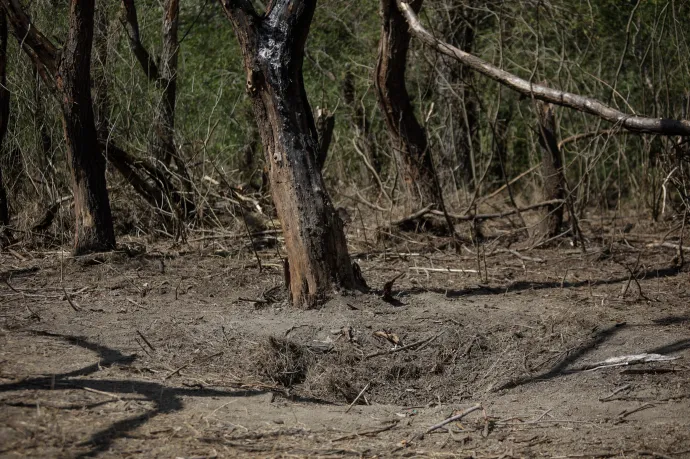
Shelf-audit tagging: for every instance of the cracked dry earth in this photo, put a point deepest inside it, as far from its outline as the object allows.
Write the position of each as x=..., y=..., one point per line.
x=162, y=355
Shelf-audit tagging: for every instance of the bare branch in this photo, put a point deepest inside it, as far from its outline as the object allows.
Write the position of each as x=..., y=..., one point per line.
x=131, y=24
x=39, y=48
x=584, y=104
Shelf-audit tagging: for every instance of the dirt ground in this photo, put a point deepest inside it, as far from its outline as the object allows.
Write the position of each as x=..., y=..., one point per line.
x=191, y=351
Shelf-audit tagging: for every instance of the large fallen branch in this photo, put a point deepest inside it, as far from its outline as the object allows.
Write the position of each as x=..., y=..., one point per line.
x=584, y=104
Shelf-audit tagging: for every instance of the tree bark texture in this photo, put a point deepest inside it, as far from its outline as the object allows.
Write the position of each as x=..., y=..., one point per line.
x=273, y=50
x=408, y=137
x=664, y=126
x=94, y=224
x=552, y=170
x=4, y=114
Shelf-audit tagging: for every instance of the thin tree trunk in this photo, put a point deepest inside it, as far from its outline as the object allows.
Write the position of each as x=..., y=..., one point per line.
x=163, y=141
x=552, y=170
x=101, y=98
x=4, y=114
x=273, y=49
x=325, y=123
x=408, y=137
x=94, y=226
x=462, y=108
x=164, y=75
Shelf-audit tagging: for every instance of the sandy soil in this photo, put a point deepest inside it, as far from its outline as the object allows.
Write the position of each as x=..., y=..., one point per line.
x=192, y=352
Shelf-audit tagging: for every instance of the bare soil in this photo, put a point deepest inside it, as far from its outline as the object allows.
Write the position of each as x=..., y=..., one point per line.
x=193, y=352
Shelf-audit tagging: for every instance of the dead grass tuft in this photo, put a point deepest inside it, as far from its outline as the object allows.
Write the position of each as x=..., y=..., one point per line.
x=283, y=361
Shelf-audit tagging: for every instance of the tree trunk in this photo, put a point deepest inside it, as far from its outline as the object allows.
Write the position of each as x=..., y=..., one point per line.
x=325, y=123
x=163, y=141
x=164, y=75
x=407, y=135
x=552, y=170
x=4, y=114
x=273, y=50
x=94, y=225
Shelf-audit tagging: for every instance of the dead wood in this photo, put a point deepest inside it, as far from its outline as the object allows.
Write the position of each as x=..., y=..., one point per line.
x=664, y=126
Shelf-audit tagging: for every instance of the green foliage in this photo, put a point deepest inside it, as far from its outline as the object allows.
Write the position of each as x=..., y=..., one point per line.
x=632, y=55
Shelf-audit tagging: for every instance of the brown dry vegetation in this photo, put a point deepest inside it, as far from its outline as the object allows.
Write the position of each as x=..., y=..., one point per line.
x=164, y=355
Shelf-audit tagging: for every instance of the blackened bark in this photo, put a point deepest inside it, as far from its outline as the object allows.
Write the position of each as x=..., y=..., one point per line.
x=552, y=170
x=408, y=137
x=94, y=226
x=273, y=50
x=4, y=114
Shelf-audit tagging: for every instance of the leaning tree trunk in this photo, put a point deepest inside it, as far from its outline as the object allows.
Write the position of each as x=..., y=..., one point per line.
x=4, y=114
x=552, y=170
x=94, y=223
x=408, y=136
x=273, y=50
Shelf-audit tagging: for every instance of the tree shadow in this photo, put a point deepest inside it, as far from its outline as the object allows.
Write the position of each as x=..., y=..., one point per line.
x=671, y=348
x=537, y=285
x=165, y=399
x=560, y=368
x=598, y=338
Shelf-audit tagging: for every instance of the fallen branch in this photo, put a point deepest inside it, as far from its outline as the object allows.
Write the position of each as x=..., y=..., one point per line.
x=664, y=126
x=403, y=348
x=357, y=398
x=507, y=213
x=366, y=432
x=205, y=359
x=444, y=270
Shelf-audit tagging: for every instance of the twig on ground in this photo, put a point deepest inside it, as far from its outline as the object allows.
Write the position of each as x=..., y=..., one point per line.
x=146, y=341
x=453, y=418
x=403, y=348
x=69, y=300
x=174, y=372
x=366, y=432
x=357, y=398
x=620, y=389
x=444, y=270
x=625, y=413
x=259, y=301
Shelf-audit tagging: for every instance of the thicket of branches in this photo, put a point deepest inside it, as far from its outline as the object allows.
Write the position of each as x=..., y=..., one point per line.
x=631, y=55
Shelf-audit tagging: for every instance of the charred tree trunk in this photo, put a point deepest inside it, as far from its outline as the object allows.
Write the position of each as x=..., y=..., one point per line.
x=94, y=227
x=408, y=137
x=4, y=114
x=273, y=50
x=552, y=170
